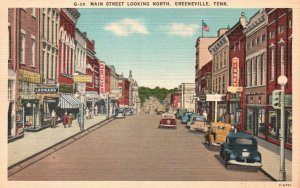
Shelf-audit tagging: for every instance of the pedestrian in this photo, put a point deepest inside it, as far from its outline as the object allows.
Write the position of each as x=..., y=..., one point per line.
x=79, y=118
x=205, y=115
x=65, y=120
x=53, y=119
x=70, y=119
x=87, y=113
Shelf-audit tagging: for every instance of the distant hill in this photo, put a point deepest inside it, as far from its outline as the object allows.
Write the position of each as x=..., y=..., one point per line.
x=157, y=92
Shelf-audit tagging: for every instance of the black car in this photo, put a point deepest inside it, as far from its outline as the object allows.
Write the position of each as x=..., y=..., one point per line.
x=240, y=149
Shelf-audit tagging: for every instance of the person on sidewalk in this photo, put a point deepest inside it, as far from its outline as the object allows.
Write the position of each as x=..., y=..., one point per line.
x=65, y=120
x=70, y=119
x=53, y=119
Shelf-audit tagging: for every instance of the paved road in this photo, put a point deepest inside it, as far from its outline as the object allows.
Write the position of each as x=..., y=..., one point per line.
x=134, y=149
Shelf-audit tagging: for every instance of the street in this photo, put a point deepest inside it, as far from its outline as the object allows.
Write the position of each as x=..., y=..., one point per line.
x=134, y=149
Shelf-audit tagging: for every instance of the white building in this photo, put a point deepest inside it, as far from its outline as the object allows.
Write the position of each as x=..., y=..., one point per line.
x=187, y=97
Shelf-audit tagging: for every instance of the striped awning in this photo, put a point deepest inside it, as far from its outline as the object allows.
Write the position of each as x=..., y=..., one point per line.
x=68, y=101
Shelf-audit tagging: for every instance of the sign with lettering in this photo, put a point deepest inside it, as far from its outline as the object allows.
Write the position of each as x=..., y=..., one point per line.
x=82, y=78
x=102, y=78
x=46, y=89
x=235, y=71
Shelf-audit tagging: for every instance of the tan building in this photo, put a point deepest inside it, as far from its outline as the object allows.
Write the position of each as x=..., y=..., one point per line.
x=220, y=67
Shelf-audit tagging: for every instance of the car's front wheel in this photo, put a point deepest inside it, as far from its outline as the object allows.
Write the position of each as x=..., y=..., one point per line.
x=226, y=160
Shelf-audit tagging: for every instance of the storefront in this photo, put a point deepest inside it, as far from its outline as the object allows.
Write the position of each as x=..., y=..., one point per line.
x=31, y=114
x=255, y=120
x=48, y=101
x=68, y=103
x=92, y=102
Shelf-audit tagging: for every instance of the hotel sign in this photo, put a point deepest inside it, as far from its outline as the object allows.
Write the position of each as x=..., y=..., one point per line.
x=102, y=78
x=235, y=71
x=82, y=78
x=29, y=76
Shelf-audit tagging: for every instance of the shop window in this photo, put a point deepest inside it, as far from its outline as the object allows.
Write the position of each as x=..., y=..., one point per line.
x=249, y=119
x=10, y=89
x=274, y=124
x=261, y=121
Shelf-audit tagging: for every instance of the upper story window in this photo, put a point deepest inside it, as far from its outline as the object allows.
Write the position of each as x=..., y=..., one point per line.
x=32, y=51
x=33, y=13
x=263, y=37
x=290, y=23
x=272, y=34
x=22, y=48
x=280, y=29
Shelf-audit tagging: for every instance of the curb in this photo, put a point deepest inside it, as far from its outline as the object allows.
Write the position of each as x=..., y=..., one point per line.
x=14, y=168
x=267, y=174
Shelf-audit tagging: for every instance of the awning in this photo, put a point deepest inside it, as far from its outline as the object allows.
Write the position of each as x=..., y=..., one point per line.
x=68, y=102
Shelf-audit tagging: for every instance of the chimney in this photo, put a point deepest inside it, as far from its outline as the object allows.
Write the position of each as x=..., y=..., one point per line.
x=221, y=31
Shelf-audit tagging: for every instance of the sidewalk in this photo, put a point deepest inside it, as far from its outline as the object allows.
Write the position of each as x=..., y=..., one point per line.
x=271, y=159
x=34, y=142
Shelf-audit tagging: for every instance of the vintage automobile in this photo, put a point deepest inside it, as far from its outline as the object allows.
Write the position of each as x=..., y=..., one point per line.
x=167, y=120
x=185, y=117
x=216, y=133
x=197, y=123
x=179, y=112
x=128, y=111
x=120, y=113
x=240, y=149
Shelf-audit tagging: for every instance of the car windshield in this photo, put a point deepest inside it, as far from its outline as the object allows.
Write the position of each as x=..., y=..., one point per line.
x=243, y=141
x=199, y=118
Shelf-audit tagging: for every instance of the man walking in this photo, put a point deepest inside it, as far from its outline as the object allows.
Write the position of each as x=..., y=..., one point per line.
x=53, y=119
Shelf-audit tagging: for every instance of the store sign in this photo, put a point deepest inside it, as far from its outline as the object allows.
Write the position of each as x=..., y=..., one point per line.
x=215, y=97
x=82, y=78
x=235, y=71
x=102, y=78
x=46, y=89
x=28, y=76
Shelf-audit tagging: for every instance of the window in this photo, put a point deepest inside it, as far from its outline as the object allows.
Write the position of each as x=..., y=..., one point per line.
x=261, y=121
x=263, y=38
x=253, y=83
x=48, y=28
x=264, y=69
x=280, y=29
x=272, y=64
x=9, y=42
x=252, y=43
x=249, y=120
x=272, y=34
x=257, y=40
x=22, y=48
x=248, y=45
x=239, y=45
x=32, y=52
x=33, y=12
x=258, y=65
x=44, y=25
x=290, y=23
x=248, y=73
x=225, y=62
x=10, y=89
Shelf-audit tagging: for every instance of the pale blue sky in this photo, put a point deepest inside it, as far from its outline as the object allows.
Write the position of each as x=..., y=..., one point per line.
x=158, y=45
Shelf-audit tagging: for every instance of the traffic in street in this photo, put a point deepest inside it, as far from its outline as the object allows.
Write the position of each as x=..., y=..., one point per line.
x=135, y=149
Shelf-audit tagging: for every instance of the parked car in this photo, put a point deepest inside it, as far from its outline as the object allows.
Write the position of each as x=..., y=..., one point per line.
x=197, y=122
x=216, y=133
x=167, y=120
x=179, y=112
x=240, y=149
x=128, y=111
x=185, y=117
x=120, y=113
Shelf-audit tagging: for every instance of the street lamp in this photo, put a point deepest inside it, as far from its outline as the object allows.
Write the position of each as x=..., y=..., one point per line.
x=282, y=80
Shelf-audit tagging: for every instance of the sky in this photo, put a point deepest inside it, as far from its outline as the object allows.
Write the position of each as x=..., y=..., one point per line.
x=157, y=45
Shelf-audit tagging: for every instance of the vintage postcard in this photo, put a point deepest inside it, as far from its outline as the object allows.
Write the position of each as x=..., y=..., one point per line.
x=149, y=93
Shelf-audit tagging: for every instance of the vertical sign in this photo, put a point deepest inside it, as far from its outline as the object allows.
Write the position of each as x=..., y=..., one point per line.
x=102, y=78
x=235, y=71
